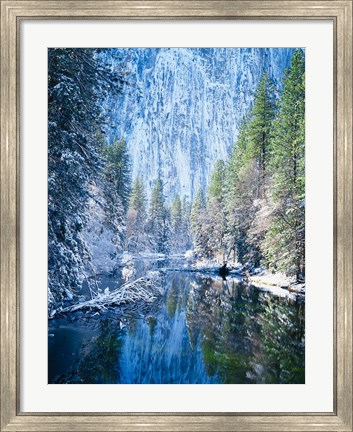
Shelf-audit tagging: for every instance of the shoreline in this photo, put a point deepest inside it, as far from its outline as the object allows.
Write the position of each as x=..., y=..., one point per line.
x=259, y=277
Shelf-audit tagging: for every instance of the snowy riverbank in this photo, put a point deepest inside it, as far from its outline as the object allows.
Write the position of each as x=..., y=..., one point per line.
x=259, y=277
x=264, y=278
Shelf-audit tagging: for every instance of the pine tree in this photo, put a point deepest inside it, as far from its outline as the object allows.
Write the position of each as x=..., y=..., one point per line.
x=259, y=130
x=233, y=237
x=241, y=188
x=198, y=222
x=217, y=183
x=284, y=245
x=177, y=222
x=157, y=201
x=116, y=188
x=247, y=176
x=77, y=86
x=138, y=200
x=105, y=229
x=118, y=169
x=259, y=141
x=159, y=220
x=165, y=232
x=216, y=211
x=136, y=237
x=186, y=229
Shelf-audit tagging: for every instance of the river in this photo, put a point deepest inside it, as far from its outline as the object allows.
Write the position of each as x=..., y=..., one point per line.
x=203, y=330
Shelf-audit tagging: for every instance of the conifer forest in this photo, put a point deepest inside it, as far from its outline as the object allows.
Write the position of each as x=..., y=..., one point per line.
x=176, y=216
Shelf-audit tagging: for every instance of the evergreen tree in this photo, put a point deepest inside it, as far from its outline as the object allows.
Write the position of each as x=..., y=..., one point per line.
x=177, y=224
x=241, y=185
x=136, y=238
x=186, y=229
x=157, y=201
x=216, y=215
x=77, y=86
x=118, y=169
x=159, y=220
x=259, y=139
x=217, y=184
x=247, y=176
x=198, y=222
x=138, y=200
x=165, y=232
x=116, y=188
x=259, y=130
x=284, y=245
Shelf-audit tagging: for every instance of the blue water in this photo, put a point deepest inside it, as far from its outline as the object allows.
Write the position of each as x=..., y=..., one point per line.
x=203, y=330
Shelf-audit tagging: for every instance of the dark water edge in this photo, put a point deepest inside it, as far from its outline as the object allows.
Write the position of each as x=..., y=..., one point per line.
x=204, y=330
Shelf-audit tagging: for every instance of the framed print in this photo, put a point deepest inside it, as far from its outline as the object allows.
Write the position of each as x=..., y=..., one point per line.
x=176, y=215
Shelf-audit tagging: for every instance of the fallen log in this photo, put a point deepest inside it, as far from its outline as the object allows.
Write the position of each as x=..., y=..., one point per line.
x=144, y=289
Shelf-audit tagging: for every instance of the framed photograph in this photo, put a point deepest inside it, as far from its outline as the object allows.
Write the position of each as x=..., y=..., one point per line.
x=176, y=215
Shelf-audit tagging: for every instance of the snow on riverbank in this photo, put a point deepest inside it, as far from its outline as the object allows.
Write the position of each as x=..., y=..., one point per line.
x=264, y=279
x=277, y=283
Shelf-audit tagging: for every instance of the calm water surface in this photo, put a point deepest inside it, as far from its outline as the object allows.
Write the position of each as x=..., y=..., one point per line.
x=204, y=330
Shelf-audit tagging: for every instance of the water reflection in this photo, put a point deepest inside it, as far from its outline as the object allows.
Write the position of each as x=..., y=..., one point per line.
x=205, y=330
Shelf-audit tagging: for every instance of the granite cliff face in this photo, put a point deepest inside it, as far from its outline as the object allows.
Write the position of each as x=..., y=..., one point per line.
x=183, y=109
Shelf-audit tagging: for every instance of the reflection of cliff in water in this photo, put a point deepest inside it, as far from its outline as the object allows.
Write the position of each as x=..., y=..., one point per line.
x=205, y=330
x=159, y=349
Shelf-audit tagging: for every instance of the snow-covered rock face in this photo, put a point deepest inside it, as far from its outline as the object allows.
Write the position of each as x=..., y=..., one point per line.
x=183, y=111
